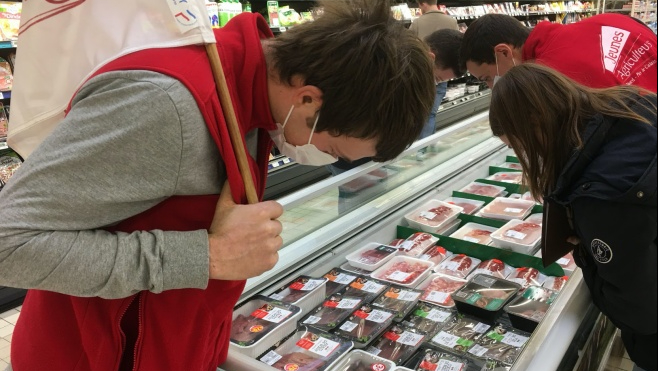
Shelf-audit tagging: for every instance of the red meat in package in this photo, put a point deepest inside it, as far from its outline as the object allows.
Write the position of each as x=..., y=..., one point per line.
x=459, y=266
x=493, y=267
x=526, y=276
x=555, y=283
x=439, y=289
x=417, y=244
x=403, y=271
x=435, y=254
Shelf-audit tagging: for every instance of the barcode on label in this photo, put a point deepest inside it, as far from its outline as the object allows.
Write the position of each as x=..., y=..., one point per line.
x=271, y=358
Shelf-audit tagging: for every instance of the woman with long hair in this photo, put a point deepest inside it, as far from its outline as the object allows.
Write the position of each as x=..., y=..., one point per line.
x=593, y=151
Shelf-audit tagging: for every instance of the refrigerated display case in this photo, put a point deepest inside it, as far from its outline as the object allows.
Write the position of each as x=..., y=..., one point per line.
x=329, y=219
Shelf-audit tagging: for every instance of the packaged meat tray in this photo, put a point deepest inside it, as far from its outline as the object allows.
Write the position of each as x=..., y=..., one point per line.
x=555, y=283
x=332, y=312
x=435, y=254
x=437, y=289
x=396, y=242
x=483, y=189
x=366, y=288
x=511, y=165
x=428, y=319
x=526, y=276
x=474, y=232
x=459, y=266
x=528, y=197
x=365, y=324
x=485, y=296
x=397, y=344
x=469, y=206
x=359, y=360
x=460, y=334
x=261, y=322
x=349, y=268
x=304, y=292
x=307, y=350
x=528, y=309
x=502, y=344
x=427, y=359
x=337, y=280
x=514, y=177
x=404, y=271
x=450, y=228
x=382, y=173
x=519, y=236
x=492, y=267
x=417, y=244
x=537, y=218
x=360, y=183
x=433, y=215
x=371, y=256
x=507, y=209
x=400, y=300
x=567, y=263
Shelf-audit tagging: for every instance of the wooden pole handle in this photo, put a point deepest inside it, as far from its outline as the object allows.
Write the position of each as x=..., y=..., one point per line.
x=232, y=122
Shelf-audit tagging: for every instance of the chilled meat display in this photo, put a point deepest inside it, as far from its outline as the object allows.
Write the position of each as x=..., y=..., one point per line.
x=398, y=300
x=502, y=344
x=507, y=209
x=417, y=243
x=493, y=267
x=435, y=254
x=337, y=280
x=365, y=324
x=437, y=289
x=459, y=266
x=397, y=344
x=527, y=276
x=460, y=334
x=514, y=177
x=427, y=319
x=483, y=189
x=469, y=206
x=402, y=270
x=476, y=233
x=333, y=311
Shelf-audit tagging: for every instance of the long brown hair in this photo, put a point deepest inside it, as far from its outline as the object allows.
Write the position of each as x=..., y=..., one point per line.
x=543, y=113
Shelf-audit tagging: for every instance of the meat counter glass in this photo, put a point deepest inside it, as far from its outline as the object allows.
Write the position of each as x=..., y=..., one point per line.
x=326, y=222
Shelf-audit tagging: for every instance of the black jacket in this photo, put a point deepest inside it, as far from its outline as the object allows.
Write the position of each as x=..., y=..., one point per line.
x=610, y=188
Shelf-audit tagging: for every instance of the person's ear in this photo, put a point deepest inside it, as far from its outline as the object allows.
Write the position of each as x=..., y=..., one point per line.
x=503, y=51
x=309, y=97
x=432, y=56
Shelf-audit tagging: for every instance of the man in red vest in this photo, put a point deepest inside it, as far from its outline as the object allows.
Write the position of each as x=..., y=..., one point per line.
x=115, y=222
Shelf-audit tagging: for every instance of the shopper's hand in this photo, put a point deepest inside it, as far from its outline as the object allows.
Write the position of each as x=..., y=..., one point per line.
x=244, y=240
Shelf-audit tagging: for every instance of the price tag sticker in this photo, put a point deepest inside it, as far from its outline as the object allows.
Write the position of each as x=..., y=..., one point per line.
x=348, y=303
x=513, y=210
x=514, y=340
x=399, y=276
x=438, y=297
x=372, y=287
x=478, y=350
x=445, y=365
x=446, y=339
x=428, y=215
x=378, y=316
x=471, y=239
x=410, y=338
x=344, y=279
x=450, y=266
x=275, y=315
x=312, y=320
x=277, y=296
x=271, y=358
x=515, y=235
x=481, y=328
x=438, y=315
x=348, y=326
x=564, y=261
x=322, y=346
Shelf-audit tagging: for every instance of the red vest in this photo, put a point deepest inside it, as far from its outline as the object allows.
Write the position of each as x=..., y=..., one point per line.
x=185, y=329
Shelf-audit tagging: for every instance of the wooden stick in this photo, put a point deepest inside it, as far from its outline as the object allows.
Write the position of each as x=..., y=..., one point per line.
x=232, y=122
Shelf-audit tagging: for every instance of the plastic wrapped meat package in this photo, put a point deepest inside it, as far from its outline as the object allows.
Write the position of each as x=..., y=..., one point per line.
x=567, y=263
x=507, y=209
x=469, y=206
x=307, y=350
x=514, y=177
x=397, y=344
x=435, y=254
x=502, y=344
x=428, y=319
x=493, y=267
x=371, y=256
x=511, y=165
x=351, y=269
x=485, y=296
x=417, y=244
x=332, y=312
x=337, y=280
x=437, y=289
x=555, y=283
x=359, y=360
x=403, y=271
x=519, y=236
x=526, y=276
x=382, y=173
x=427, y=359
x=483, y=189
x=360, y=183
x=460, y=334
x=366, y=288
x=474, y=232
x=399, y=300
x=459, y=266
x=433, y=215
x=528, y=309
x=537, y=218
x=305, y=292
x=528, y=197
x=365, y=324
x=260, y=322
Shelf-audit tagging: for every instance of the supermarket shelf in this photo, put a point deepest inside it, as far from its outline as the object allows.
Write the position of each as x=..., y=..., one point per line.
x=524, y=14
x=617, y=10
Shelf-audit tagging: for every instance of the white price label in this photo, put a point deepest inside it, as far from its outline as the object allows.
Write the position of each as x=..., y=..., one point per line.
x=481, y=328
x=450, y=266
x=277, y=315
x=407, y=245
x=438, y=297
x=348, y=326
x=425, y=257
x=312, y=320
x=277, y=296
x=438, y=315
x=515, y=235
x=564, y=261
x=324, y=347
x=408, y=295
x=513, y=210
x=445, y=365
x=399, y=276
x=372, y=287
x=344, y=279
x=514, y=340
x=348, y=303
x=312, y=285
x=428, y=215
x=445, y=339
x=478, y=350
x=373, y=350
x=409, y=338
x=378, y=316
x=471, y=239
x=271, y=358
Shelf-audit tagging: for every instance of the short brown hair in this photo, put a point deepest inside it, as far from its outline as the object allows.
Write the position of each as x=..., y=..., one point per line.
x=543, y=113
x=375, y=75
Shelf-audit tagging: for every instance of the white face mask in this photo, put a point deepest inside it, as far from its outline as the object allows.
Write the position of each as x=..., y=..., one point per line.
x=308, y=154
x=497, y=77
